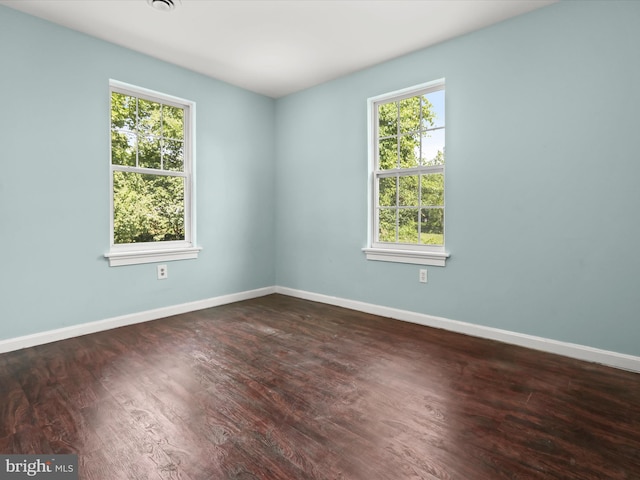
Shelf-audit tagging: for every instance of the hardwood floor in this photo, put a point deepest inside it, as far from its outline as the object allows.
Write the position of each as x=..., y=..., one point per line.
x=281, y=388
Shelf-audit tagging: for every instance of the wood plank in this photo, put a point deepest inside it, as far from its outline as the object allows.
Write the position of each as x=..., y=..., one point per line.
x=282, y=388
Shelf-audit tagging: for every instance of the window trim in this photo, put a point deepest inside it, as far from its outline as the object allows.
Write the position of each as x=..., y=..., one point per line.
x=396, y=252
x=150, y=252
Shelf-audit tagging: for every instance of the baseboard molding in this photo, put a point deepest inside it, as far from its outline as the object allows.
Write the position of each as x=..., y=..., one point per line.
x=572, y=350
x=580, y=352
x=124, y=320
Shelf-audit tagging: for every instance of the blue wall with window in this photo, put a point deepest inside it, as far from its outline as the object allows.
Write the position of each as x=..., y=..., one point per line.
x=542, y=177
x=54, y=182
x=542, y=172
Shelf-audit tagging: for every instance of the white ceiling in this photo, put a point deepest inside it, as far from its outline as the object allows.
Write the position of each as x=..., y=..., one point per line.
x=277, y=47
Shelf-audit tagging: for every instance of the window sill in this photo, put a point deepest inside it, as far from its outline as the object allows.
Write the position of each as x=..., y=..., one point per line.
x=436, y=259
x=135, y=257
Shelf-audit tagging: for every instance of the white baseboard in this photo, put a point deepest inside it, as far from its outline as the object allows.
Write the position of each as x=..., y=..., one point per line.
x=26, y=341
x=580, y=352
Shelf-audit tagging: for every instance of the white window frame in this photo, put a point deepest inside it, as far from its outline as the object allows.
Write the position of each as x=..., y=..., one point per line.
x=149, y=252
x=435, y=255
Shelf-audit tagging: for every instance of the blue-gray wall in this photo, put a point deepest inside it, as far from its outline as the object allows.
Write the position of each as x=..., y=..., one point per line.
x=542, y=152
x=54, y=182
x=543, y=173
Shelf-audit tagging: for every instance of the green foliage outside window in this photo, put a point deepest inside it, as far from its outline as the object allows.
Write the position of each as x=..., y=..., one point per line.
x=148, y=206
x=410, y=204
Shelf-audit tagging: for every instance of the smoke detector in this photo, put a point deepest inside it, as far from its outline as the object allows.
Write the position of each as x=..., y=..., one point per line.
x=163, y=5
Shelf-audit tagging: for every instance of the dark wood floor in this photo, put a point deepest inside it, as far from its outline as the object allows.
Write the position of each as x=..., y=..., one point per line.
x=281, y=388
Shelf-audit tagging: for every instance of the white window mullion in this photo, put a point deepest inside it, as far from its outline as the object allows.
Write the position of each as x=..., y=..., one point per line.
x=398, y=163
x=420, y=198
x=160, y=139
x=137, y=133
x=410, y=171
x=397, y=207
x=148, y=171
x=398, y=166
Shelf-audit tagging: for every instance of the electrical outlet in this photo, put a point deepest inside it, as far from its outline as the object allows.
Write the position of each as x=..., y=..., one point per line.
x=163, y=273
x=423, y=275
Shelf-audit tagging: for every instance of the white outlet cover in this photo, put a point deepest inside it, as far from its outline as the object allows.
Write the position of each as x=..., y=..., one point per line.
x=423, y=275
x=162, y=272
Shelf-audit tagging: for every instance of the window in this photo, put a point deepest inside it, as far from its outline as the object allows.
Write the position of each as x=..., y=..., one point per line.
x=407, y=163
x=151, y=177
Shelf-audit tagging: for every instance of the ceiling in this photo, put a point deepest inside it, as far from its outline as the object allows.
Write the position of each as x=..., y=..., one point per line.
x=276, y=47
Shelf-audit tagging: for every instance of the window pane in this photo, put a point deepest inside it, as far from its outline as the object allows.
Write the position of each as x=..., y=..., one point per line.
x=172, y=122
x=388, y=153
x=147, y=208
x=149, y=117
x=408, y=187
x=148, y=152
x=432, y=189
x=123, y=112
x=387, y=191
x=410, y=114
x=123, y=148
x=410, y=150
x=433, y=109
x=387, y=225
x=387, y=119
x=432, y=226
x=409, y=206
x=408, y=225
x=173, y=155
x=432, y=148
